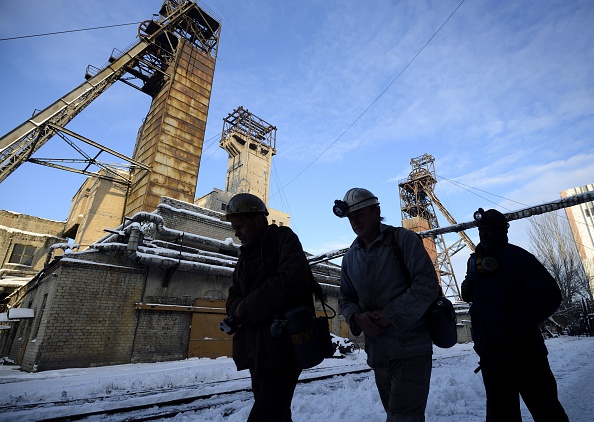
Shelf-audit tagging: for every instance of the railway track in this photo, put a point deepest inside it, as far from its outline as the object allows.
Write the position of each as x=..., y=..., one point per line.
x=166, y=403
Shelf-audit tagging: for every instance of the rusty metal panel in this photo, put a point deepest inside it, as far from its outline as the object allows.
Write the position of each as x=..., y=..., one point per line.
x=206, y=339
x=172, y=137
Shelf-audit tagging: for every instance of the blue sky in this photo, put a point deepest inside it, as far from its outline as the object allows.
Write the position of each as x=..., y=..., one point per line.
x=502, y=96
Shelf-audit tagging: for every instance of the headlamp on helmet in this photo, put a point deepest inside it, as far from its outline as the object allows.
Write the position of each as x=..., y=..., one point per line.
x=490, y=218
x=479, y=215
x=353, y=200
x=340, y=208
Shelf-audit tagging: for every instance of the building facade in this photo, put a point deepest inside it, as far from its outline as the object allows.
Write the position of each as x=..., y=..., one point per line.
x=581, y=221
x=152, y=290
x=26, y=243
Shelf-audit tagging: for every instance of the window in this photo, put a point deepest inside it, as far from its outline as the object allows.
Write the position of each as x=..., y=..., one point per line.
x=22, y=254
x=590, y=212
x=223, y=206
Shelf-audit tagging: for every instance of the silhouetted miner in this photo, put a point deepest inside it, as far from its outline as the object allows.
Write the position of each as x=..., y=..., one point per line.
x=511, y=293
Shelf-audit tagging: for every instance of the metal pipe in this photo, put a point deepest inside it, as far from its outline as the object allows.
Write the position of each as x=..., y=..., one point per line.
x=519, y=214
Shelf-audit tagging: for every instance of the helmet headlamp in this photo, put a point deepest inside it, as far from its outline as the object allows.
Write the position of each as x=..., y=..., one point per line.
x=340, y=208
x=490, y=218
x=353, y=200
x=479, y=215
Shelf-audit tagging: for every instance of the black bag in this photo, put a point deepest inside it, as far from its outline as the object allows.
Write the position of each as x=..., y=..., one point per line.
x=441, y=315
x=442, y=323
x=310, y=336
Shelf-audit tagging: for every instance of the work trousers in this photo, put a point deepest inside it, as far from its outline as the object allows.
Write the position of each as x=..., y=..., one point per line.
x=531, y=378
x=403, y=386
x=273, y=394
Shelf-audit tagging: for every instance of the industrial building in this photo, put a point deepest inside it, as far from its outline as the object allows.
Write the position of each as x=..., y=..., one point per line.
x=581, y=221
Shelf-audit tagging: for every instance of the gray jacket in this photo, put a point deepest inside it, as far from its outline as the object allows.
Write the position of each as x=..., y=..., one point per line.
x=372, y=280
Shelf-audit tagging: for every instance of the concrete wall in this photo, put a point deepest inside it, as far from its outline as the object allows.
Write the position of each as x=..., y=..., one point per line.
x=249, y=165
x=216, y=200
x=164, y=334
x=98, y=205
x=26, y=230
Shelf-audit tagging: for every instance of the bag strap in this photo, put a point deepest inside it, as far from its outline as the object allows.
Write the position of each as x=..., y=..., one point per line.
x=398, y=254
x=399, y=257
x=317, y=290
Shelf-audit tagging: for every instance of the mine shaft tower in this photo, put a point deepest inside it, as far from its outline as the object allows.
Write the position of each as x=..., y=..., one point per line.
x=173, y=62
x=417, y=196
x=251, y=144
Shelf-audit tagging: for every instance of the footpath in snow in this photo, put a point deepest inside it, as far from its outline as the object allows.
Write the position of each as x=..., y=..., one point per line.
x=457, y=394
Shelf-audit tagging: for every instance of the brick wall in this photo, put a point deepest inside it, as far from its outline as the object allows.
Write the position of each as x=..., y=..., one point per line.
x=89, y=318
x=164, y=335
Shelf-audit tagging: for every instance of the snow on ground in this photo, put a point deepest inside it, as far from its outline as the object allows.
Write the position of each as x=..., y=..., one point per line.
x=457, y=394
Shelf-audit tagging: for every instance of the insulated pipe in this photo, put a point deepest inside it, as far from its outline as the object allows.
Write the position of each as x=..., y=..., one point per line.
x=109, y=246
x=570, y=201
x=143, y=216
x=133, y=239
x=159, y=260
x=55, y=246
x=183, y=265
x=205, y=259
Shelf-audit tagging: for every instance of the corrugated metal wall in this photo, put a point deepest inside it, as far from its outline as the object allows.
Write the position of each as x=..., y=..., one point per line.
x=173, y=134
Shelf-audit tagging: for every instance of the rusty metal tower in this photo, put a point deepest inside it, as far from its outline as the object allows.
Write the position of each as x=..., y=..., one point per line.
x=417, y=197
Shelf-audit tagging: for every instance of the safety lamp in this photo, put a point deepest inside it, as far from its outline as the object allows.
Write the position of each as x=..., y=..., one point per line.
x=479, y=215
x=340, y=208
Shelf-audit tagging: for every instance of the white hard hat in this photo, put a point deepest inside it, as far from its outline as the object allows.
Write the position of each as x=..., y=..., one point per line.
x=243, y=203
x=353, y=200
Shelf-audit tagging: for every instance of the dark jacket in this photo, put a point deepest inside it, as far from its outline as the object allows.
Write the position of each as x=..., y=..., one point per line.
x=269, y=278
x=508, y=303
x=372, y=279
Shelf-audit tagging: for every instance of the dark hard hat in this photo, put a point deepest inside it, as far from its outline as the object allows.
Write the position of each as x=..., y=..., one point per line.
x=491, y=218
x=243, y=203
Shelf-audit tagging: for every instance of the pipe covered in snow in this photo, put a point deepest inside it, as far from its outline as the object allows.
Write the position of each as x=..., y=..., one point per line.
x=519, y=214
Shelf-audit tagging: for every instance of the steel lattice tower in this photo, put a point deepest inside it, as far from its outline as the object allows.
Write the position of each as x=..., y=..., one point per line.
x=418, y=214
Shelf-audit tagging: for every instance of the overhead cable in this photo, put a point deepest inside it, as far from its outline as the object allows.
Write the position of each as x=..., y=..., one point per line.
x=379, y=96
x=69, y=31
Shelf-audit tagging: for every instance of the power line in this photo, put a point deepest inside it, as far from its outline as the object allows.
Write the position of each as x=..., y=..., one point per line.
x=380, y=95
x=463, y=186
x=208, y=145
x=283, y=196
x=69, y=31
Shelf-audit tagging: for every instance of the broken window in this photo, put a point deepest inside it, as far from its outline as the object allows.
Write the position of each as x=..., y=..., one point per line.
x=22, y=254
